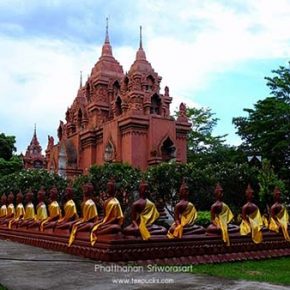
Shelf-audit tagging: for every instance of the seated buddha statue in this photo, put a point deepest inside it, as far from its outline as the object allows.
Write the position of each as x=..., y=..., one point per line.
x=41, y=211
x=19, y=213
x=143, y=214
x=70, y=211
x=113, y=216
x=251, y=218
x=29, y=215
x=10, y=210
x=279, y=220
x=3, y=209
x=221, y=215
x=185, y=215
x=53, y=210
x=89, y=213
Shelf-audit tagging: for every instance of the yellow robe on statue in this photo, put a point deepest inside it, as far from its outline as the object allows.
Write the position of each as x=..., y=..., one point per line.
x=282, y=221
x=222, y=220
x=70, y=211
x=3, y=211
x=113, y=211
x=254, y=225
x=41, y=212
x=147, y=217
x=54, y=211
x=188, y=217
x=11, y=210
x=89, y=212
x=265, y=221
x=20, y=211
x=29, y=212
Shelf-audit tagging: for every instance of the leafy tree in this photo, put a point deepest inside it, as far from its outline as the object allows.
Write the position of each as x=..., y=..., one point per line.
x=267, y=181
x=30, y=179
x=9, y=163
x=218, y=155
x=280, y=83
x=7, y=146
x=266, y=129
x=10, y=166
x=200, y=137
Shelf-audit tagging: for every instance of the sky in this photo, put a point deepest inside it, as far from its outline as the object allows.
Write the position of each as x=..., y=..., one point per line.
x=211, y=53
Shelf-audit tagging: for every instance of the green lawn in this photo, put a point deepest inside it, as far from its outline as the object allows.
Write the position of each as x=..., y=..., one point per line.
x=275, y=271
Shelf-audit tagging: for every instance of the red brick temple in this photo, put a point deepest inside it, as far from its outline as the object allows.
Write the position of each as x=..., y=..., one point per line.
x=33, y=157
x=118, y=117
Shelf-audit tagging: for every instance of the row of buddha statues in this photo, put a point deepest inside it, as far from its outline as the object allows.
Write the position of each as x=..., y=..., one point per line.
x=143, y=216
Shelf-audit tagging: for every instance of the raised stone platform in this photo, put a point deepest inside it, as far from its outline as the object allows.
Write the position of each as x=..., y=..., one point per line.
x=195, y=250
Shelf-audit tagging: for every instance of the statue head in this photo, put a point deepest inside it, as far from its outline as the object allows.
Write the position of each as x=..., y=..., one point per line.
x=143, y=189
x=183, y=190
x=41, y=194
x=218, y=192
x=68, y=194
x=249, y=193
x=19, y=197
x=29, y=196
x=88, y=189
x=111, y=187
x=3, y=199
x=53, y=194
x=277, y=194
x=10, y=197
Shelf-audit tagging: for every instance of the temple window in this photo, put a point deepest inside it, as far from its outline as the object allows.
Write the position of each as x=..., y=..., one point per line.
x=150, y=83
x=155, y=105
x=118, y=106
x=80, y=117
x=126, y=84
x=109, y=152
x=168, y=150
x=116, y=89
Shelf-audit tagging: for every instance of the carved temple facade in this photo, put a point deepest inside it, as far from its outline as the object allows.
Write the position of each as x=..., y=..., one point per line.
x=118, y=117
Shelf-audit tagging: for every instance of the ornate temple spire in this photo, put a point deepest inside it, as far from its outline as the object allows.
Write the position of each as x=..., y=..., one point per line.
x=107, y=31
x=34, y=133
x=107, y=49
x=33, y=157
x=81, y=79
x=140, y=55
x=140, y=44
x=34, y=140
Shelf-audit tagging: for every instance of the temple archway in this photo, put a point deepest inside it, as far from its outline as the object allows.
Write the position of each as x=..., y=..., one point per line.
x=168, y=150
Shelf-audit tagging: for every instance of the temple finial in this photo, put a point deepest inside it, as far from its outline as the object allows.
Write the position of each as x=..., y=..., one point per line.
x=34, y=134
x=81, y=79
x=140, y=45
x=107, y=30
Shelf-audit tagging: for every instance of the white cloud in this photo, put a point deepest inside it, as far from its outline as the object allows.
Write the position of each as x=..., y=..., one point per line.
x=187, y=42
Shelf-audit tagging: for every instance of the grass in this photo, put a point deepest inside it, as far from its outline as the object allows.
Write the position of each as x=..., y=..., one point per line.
x=276, y=271
x=2, y=287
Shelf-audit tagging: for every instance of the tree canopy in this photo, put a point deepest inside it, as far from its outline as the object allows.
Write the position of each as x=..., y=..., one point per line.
x=7, y=146
x=266, y=129
x=9, y=163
